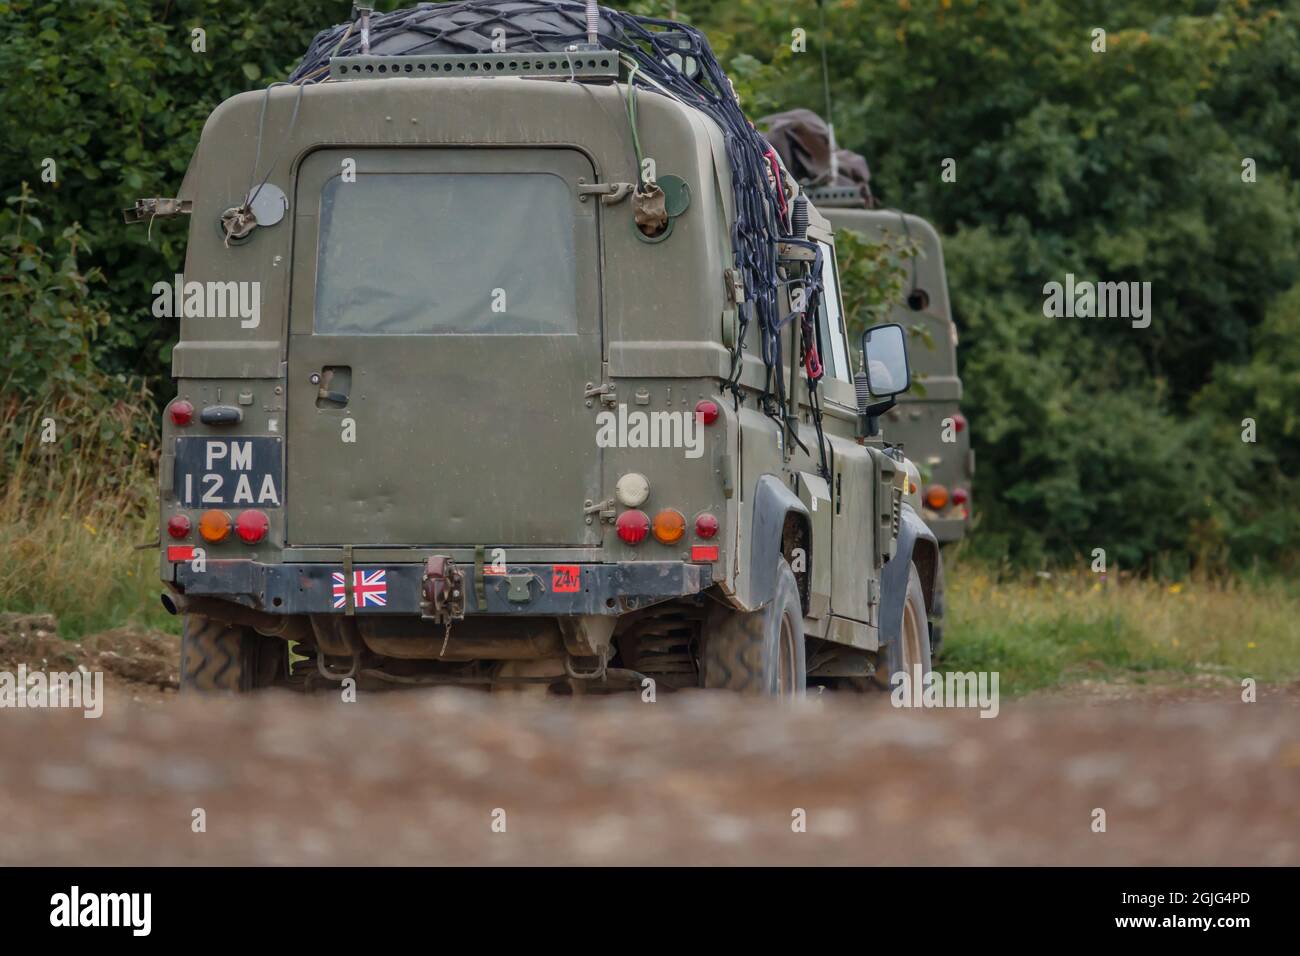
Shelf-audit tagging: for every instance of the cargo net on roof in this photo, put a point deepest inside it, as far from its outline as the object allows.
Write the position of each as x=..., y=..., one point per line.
x=657, y=48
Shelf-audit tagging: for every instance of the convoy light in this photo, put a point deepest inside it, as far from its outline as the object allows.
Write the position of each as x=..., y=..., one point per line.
x=178, y=526
x=706, y=526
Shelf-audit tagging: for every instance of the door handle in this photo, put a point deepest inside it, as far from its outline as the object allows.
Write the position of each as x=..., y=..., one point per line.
x=334, y=383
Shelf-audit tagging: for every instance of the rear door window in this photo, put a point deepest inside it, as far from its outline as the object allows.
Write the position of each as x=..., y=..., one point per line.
x=425, y=253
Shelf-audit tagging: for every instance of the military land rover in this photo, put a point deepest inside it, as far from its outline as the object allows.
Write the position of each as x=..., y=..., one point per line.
x=927, y=423
x=519, y=359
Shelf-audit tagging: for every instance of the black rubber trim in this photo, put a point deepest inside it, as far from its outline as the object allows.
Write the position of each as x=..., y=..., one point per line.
x=893, y=579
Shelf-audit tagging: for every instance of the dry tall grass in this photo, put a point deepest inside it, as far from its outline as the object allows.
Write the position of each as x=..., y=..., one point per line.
x=72, y=514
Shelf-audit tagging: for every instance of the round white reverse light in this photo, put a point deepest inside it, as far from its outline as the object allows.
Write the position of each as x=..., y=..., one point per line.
x=632, y=490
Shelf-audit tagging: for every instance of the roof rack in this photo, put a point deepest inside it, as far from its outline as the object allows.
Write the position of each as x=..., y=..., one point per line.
x=583, y=64
x=828, y=197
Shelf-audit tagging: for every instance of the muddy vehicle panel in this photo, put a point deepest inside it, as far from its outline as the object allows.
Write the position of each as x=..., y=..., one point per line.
x=488, y=430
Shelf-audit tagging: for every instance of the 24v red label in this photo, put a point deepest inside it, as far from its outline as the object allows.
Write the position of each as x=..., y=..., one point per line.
x=565, y=578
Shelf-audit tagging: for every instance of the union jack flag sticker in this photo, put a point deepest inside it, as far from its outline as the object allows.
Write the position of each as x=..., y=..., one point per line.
x=369, y=589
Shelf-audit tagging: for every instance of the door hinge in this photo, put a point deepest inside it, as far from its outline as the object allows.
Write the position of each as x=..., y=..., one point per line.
x=608, y=513
x=611, y=194
x=157, y=208
x=606, y=393
x=735, y=286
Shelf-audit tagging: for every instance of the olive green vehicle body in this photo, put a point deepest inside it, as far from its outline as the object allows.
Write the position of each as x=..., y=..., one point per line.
x=483, y=447
x=924, y=421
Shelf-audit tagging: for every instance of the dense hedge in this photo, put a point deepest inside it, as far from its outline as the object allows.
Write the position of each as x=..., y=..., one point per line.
x=1122, y=165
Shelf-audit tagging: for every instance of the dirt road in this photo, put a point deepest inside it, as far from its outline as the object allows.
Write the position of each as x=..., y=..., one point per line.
x=1185, y=776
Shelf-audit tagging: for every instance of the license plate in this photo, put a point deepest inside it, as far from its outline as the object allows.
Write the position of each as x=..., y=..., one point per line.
x=229, y=472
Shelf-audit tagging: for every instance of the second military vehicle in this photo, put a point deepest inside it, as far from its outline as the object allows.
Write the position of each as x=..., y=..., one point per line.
x=927, y=423
x=520, y=359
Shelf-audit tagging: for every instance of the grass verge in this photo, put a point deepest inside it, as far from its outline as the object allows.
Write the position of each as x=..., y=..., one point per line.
x=1046, y=630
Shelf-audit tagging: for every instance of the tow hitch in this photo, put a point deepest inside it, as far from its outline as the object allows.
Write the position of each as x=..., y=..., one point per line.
x=442, y=594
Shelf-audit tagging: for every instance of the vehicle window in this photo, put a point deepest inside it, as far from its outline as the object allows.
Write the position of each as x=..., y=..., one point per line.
x=831, y=320
x=446, y=253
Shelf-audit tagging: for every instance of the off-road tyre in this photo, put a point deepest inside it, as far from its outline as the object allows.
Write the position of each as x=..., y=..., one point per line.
x=913, y=644
x=760, y=652
x=217, y=656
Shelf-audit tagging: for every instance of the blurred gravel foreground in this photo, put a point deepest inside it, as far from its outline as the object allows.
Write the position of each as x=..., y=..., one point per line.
x=457, y=777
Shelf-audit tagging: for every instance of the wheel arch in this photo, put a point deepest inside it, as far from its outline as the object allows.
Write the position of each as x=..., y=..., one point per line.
x=781, y=523
x=916, y=544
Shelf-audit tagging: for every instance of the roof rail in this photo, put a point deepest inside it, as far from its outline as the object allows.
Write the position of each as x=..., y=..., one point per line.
x=596, y=64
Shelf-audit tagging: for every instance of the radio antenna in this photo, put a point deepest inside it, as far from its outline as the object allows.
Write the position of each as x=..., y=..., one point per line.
x=826, y=89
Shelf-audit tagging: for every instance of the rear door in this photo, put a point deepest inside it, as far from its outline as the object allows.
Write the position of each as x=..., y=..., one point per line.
x=445, y=321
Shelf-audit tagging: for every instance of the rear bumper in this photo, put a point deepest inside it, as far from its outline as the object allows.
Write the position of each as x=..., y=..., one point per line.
x=947, y=530
x=526, y=589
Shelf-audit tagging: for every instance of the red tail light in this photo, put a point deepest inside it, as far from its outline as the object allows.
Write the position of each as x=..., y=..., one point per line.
x=178, y=526
x=182, y=412
x=960, y=496
x=706, y=526
x=959, y=422
x=633, y=526
x=251, y=526
x=708, y=409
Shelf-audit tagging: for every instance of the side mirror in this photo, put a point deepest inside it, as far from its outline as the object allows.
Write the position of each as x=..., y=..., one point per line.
x=884, y=354
x=885, y=373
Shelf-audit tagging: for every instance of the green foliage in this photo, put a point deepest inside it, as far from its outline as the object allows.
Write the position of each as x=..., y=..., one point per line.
x=115, y=94
x=1123, y=166
x=65, y=424
x=873, y=276
x=55, y=317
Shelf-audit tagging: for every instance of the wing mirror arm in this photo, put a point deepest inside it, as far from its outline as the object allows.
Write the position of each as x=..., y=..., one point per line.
x=869, y=418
